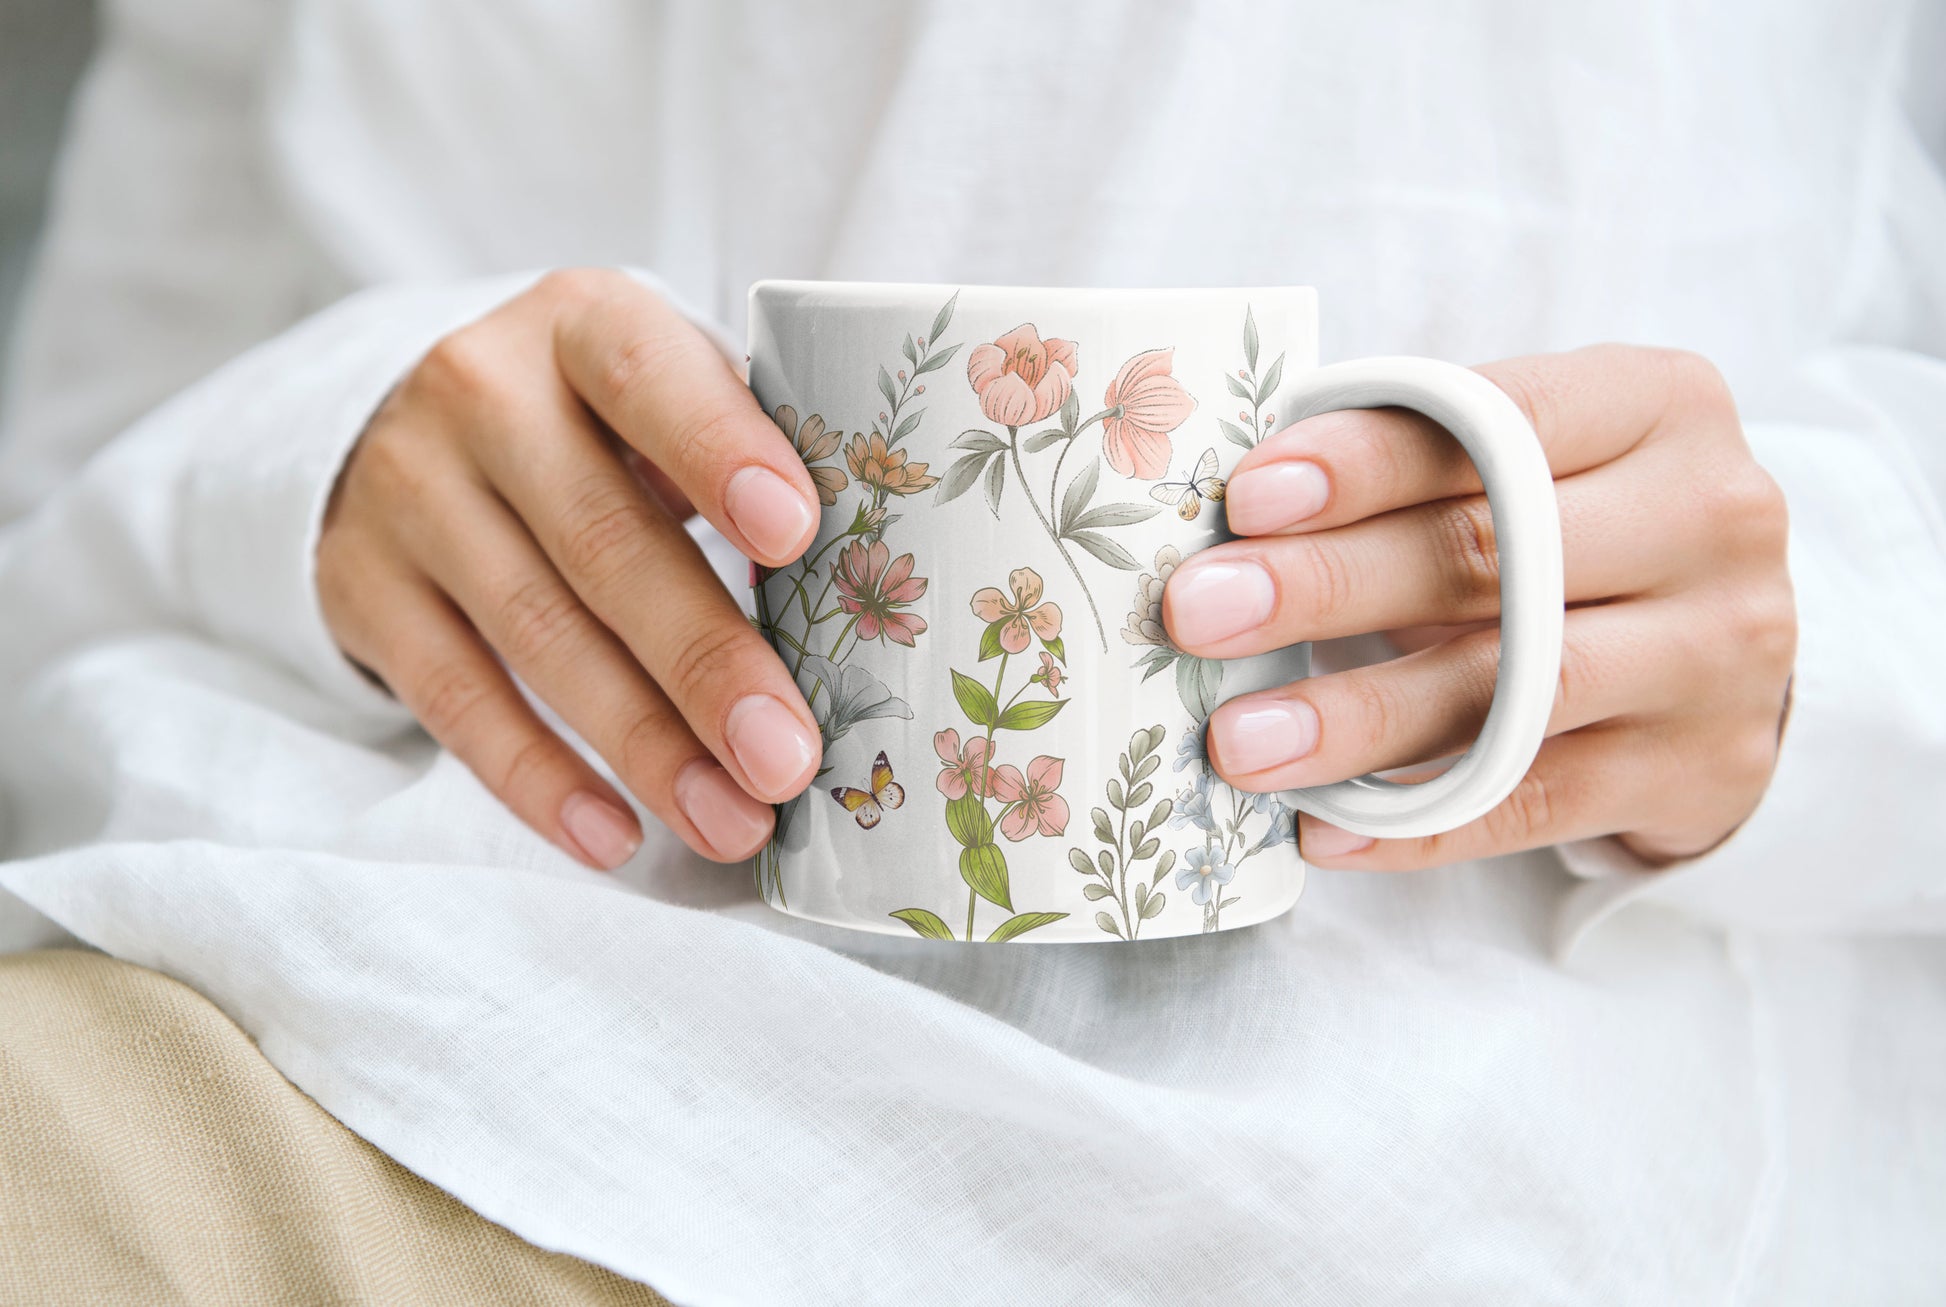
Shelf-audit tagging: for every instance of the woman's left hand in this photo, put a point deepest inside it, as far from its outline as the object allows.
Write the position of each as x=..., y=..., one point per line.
x=1680, y=634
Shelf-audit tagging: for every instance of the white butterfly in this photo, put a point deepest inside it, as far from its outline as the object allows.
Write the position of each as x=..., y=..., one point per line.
x=1188, y=496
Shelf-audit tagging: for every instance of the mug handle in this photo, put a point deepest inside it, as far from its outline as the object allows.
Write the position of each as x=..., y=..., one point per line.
x=1527, y=531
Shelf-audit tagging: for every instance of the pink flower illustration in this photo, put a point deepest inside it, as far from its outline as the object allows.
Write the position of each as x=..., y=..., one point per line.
x=1021, y=378
x=1050, y=674
x=1036, y=807
x=1152, y=403
x=965, y=769
x=1025, y=615
x=874, y=585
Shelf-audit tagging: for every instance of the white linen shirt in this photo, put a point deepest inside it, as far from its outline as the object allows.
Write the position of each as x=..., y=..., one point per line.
x=266, y=212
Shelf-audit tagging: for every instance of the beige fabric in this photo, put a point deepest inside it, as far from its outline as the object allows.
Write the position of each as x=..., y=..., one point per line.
x=150, y=1154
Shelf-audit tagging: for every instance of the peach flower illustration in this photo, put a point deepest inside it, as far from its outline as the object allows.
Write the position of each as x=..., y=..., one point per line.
x=1021, y=378
x=813, y=443
x=965, y=768
x=1036, y=807
x=1049, y=675
x=1025, y=615
x=883, y=468
x=1149, y=403
x=874, y=586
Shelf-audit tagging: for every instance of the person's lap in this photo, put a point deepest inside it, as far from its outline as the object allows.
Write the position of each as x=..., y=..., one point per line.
x=150, y=1153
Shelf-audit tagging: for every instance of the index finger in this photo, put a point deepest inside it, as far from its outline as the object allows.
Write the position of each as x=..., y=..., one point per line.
x=660, y=385
x=1588, y=406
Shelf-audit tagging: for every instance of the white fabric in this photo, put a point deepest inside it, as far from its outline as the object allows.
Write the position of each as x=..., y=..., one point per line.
x=1395, y=1093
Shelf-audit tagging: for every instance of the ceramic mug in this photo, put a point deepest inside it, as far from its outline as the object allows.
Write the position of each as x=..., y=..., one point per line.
x=1012, y=747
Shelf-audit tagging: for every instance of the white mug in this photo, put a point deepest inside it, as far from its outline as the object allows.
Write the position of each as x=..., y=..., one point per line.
x=1012, y=747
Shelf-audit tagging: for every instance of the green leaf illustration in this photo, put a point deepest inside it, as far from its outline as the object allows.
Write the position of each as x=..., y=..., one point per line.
x=1236, y=433
x=937, y=360
x=1040, y=440
x=1147, y=849
x=1079, y=861
x=1141, y=896
x=1250, y=338
x=1164, y=867
x=1160, y=813
x=1115, y=794
x=960, y=477
x=925, y=923
x=1079, y=492
x=885, y=386
x=1157, y=734
x=1147, y=769
x=1108, y=924
x=990, y=640
x=1227, y=902
x=1106, y=863
x=1094, y=892
x=967, y=819
x=979, y=440
x=1115, y=515
x=1140, y=794
x=1155, y=660
x=1057, y=648
x=1104, y=830
x=911, y=354
x=1153, y=908
x=1106, y=550
x=1013, y=927
x=942, y=318
x=1030, y=716
x=984, y=868
x=907, y=423
x=1197, y=683
x=1071, y=412
x=1237, y=388
x=1272, y=376
x=975, y=700
x=996, y=482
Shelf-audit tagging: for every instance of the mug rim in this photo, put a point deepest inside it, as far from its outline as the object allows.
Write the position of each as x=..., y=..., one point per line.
x=783, y=286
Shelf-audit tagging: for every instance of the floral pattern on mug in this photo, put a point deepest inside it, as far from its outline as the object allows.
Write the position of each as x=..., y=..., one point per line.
x=1024, y=616
x=813, y=444
x=1146, y=403
x=874, y=586
x=1033, y=806
x=1021, y=378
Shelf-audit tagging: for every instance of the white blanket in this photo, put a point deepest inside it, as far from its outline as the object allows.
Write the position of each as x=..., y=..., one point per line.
x=1733, y=1090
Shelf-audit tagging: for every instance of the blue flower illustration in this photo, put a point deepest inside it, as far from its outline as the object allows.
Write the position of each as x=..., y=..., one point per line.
x=1203, y=871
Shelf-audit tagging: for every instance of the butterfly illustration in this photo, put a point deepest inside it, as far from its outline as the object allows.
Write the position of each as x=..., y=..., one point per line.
x=869, y=805
x=1188, y=496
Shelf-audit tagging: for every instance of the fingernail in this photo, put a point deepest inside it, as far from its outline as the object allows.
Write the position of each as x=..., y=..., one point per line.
x=1259, y=734
x=768, y=510
x=730, y=821
x=772, y=746
x=605, y=833
x=1323, y=840
x=1276, y=496
x=1212, y=601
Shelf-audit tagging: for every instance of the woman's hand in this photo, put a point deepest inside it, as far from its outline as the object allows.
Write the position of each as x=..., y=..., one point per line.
x=490, y=509
x=1680, y=632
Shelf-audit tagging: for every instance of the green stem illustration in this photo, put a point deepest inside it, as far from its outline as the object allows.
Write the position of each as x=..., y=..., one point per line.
x=1013, y=448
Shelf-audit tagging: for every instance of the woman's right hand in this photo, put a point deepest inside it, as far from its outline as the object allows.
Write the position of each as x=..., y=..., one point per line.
x=494, y=507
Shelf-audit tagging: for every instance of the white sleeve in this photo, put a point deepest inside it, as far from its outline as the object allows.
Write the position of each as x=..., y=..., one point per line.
x=204, y=515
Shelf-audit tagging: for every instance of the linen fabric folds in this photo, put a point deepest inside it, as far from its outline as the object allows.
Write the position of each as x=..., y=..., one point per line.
x=1731, y=1089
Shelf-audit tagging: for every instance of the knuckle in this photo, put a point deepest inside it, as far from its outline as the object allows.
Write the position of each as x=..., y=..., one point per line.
x=574, y=285
x=641, y=365
x=1382, y=718
x=605, y=529
x=1529, y=385
x=448, y=698
x=1331, y=587
x=1695, y=380
x=530, y=765
x=536, y=616
x=462, y=366
x=1469, y=551
x=705, y=660
x=1524, y=816
x=1750, y=505
x=643, y=755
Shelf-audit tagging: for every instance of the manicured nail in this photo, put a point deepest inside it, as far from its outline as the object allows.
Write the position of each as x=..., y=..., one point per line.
x=769, y=511
x=1276, y=496
x=772, y=746
x=605, y=834
x=1323, y=840
x=1257, y=734
x=730, y=821
x=1212, y=601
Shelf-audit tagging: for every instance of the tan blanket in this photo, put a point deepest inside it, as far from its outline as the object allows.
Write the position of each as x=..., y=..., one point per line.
x=150, y=1154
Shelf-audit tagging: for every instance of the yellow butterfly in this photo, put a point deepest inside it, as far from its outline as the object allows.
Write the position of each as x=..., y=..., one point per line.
x=869, y=806
x=1188, y=496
